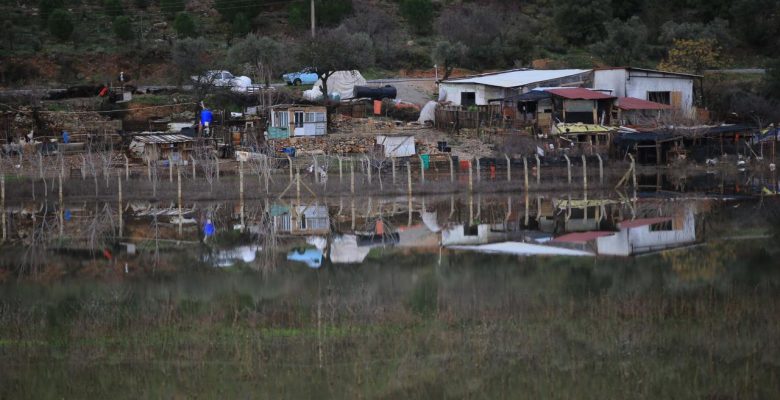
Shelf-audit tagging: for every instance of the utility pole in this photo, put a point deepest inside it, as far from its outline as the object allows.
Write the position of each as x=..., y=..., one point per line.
x=312, y=19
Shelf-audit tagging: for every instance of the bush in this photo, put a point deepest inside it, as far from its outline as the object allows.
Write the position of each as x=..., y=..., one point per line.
x=113, y=8
x=123, y=28
x=241, y=25
x=46, y=7
x=184, y=25
x=419, y=15
x=328, y=12
x=171, y=7
x=60, y=24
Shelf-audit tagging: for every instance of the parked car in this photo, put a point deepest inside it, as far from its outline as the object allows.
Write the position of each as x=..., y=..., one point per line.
x=306, y=76
x=223, y=79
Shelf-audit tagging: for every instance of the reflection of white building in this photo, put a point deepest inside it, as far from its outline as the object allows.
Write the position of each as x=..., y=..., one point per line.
x=649, y=234
x=471, y=234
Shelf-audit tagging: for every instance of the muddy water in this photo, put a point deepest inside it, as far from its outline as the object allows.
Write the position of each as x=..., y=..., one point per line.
x=663, y=294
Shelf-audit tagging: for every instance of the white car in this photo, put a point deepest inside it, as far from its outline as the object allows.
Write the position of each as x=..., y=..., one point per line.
x=223, y=79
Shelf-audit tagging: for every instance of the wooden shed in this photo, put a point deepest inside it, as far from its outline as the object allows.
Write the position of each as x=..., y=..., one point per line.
x=152, y=148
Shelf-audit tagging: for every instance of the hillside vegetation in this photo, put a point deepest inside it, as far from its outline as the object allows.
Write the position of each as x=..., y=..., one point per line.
x=52, y=42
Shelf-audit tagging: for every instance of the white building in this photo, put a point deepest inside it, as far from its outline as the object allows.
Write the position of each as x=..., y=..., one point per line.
x=650, y=234
x=672, y=88
x=480, y=89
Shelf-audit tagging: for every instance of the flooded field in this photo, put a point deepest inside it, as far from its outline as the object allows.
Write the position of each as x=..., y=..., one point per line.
x=664, y=290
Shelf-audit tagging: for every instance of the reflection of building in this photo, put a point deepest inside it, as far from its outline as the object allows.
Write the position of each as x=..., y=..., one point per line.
x=649, y=234
x=471, y=234
x=301, y=220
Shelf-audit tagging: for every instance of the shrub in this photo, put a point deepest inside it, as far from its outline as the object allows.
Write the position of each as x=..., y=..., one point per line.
x=241, y=25
x=419, y=15
x=123, y=28
x=171, y=7
x=113, y=8
x=184, y=25
x=46, y=7
x=60, y=24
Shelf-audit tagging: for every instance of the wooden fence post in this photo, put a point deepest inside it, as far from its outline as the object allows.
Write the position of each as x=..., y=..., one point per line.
x=127, y=167
x=119, y=206
x=568, y=168
x=584, y=172
x=452, y=169
x=2, y=206
x=538, y=170
x=601, y=169
x=351, y=176
x=422, y=170
x=525, y=174
x=508, y=168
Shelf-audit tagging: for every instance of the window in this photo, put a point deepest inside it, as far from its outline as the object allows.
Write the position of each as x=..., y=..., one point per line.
x=468, y=99
x=282, y=119
x=660, y=97
x=299, y=119
x=661, y=226
x=311, y=117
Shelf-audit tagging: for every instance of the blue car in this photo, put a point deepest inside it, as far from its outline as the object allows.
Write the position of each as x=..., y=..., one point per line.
x=307, y=76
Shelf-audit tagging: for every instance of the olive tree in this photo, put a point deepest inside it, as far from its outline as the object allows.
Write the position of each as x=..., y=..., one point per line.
x=335, y=50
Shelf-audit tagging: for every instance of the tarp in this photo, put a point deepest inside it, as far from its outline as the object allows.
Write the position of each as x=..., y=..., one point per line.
x=397, y=146
x=428, y=113
x=341, y=82
x=344, y=250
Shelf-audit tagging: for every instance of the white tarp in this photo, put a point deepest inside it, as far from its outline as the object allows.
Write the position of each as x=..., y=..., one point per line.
x=344, y=250
x=428, y=113
x=341, y=82
x=397, y=146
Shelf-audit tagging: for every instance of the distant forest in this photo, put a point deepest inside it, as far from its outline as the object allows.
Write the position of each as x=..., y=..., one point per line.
x=681, y=35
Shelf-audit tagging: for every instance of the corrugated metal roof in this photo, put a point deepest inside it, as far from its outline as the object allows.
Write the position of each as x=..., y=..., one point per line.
x=632, y=103
x=517, y=78
x=163, y=139
x=650, y=71
x=579, y=94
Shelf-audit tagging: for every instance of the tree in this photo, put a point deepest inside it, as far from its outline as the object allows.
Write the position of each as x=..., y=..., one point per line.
x=337, y=50
x=578, y=21
x=757, y=21
x=46, y=7
x=184, y=25
x=241, y=25
x=60, y=24
x=495, y=35
x=191, y=59
x=692, y=56
x=113, y=8
x=229, y=9
x=327, y=12
x=264, y=55
x=448, y=55
x=419, y=15
x=123, y=28
x=625, y=44
x=381, y=27
x=171, y=7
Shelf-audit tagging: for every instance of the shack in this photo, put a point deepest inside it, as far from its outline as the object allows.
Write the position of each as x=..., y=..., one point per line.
x=297, y=120
x=479, y=89
x=671, y=88
x=544, y=108
x=630, y=111
x=649, y=148
x=152, y=148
